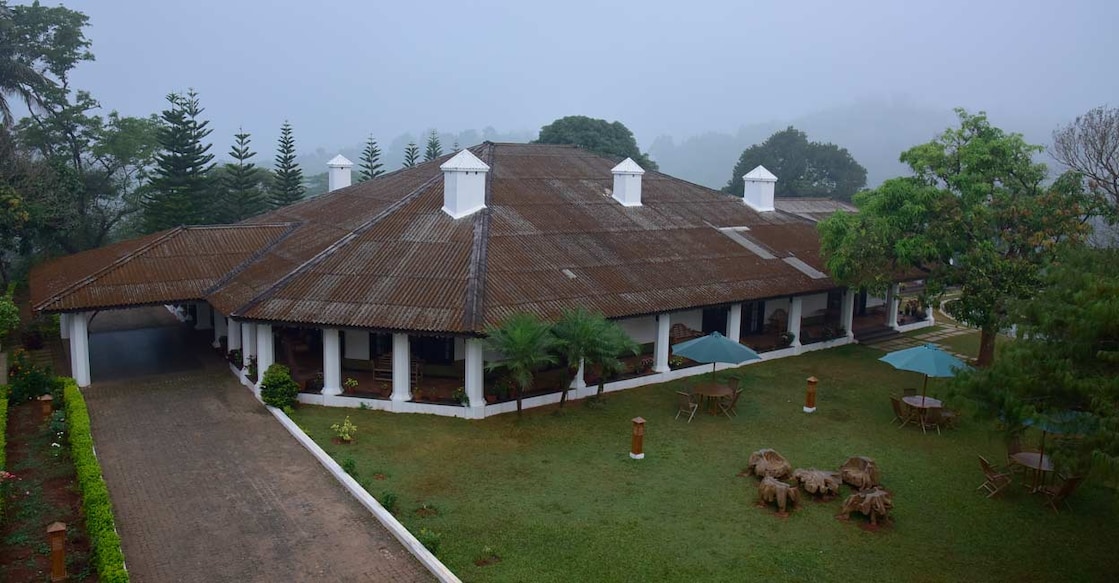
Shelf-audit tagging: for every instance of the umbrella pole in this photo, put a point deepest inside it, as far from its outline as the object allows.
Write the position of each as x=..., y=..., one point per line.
x=924, y=389
x=1040, y=460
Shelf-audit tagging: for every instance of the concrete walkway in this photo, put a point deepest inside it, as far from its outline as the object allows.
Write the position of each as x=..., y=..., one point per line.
x=208, y=487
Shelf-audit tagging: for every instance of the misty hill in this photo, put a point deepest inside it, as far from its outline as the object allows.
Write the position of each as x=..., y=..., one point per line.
x=874, y=132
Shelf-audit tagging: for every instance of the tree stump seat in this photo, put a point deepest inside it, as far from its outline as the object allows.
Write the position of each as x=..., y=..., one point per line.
x=768, y=463
x=860, y=472
x=818, y=482
x=771, y=490
x=874, y=503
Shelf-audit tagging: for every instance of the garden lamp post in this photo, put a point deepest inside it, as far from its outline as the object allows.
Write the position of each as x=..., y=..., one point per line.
x=636, y=450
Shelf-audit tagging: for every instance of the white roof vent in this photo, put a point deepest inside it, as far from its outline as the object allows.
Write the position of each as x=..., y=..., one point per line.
x=758, y=190
x=338, y=175
x=627, y=183
x=464, y=184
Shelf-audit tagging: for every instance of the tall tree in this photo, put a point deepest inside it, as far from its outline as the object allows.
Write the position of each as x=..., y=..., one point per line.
x=182, y=192
x=243, y=194
x=977, y=215
x=1065, y=359
x=596, y=135
x=803, y=168
x=434, y=148
x=411, y=155
x=525, y=344
x=370, y=163
x=1090, y=146
x=287, y=186
x=19, y=76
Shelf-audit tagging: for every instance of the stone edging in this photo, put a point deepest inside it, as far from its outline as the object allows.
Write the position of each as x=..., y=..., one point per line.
x=428, y=560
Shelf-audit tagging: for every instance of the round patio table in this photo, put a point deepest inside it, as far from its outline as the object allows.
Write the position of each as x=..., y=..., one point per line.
x=1036, y=461
x=711, y=393
x=922, y=402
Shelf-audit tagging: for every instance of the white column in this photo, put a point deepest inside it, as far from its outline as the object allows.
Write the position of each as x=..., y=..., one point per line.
x=248, y=342
x=660, y=347
x=580, y=381
x=474, y=381
x=734, y=322
x=233, y=329
x=64, y=326
x=331, y=363
x=847, y=312
x=79, y=348
x=219, y=329
x=357, y=344
x=202, y=314
x=401, y=368
x=264, y=350
x=892, y=305
x=793, y=327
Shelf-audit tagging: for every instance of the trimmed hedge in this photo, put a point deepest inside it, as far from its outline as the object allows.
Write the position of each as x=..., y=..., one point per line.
x=98, y=509
x=3, y=440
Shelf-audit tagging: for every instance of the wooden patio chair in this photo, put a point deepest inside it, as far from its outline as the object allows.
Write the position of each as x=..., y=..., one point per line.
x=933, y=418
x=996, y=480
x=687, y=405
x=1056, y=494
x=902, y=412
x=950, y=418
x=729, y=405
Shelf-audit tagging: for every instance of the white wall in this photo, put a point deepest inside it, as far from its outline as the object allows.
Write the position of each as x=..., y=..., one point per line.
x=774, y=305
x=642, y=330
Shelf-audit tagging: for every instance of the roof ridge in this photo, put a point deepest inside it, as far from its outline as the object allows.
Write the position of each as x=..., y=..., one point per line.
x=291, y=227
x=479, y=251
x=100, y=272
x=330, y=249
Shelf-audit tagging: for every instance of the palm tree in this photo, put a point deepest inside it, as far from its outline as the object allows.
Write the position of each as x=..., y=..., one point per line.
x=526, y=345
x=612, y=342
x=577, y=332
x=17, y=77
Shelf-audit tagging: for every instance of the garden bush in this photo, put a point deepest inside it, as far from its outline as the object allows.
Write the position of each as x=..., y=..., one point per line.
x=3, y=445
x=28, y=381
x=96, y=506
x=278, y=389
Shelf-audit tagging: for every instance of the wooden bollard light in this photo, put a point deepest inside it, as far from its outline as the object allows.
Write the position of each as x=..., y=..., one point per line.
x=46, y=402
x=810, y=396
x=56, y=534
x=636, y=450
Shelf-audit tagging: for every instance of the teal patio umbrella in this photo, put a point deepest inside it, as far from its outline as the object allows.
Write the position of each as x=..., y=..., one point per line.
x=928, y=359
x=1066, y=422
x=714, y=348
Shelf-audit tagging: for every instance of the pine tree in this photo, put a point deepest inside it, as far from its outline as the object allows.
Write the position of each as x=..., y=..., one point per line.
x=287, y=188
x=411, y=155
x=434, y=148
x=181, y=192
x=370, y=161
x=243, y=196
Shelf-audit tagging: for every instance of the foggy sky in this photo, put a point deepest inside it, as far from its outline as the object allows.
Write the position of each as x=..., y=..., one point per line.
x=341, y=69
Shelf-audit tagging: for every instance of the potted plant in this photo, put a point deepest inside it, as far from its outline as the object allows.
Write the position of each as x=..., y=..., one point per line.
x=235, y=358
x=786, y=339
x=314, y=384
x=344, y=432
x=350, y=384
x=460, y=396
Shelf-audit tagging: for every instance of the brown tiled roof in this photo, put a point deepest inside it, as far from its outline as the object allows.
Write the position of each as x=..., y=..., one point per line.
x=176, y=265
x=382, y=254
x=814, y=209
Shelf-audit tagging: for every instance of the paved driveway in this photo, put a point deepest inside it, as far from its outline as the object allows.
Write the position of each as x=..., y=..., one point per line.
x=208, y=487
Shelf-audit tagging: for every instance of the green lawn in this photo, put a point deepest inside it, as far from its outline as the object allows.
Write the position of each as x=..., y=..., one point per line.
x=557, y=497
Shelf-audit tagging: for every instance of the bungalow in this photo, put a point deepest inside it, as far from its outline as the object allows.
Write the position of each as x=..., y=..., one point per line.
x=390, y=284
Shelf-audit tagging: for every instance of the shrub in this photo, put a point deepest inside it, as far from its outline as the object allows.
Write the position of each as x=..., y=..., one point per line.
x=344, y=430
x=235, y=358
x=429, y=539
x=388, y=501
x=350, y=467
x=9, y=315
x=278, y=389
x=3, y=443
x=29, y=381
x=105, y=550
